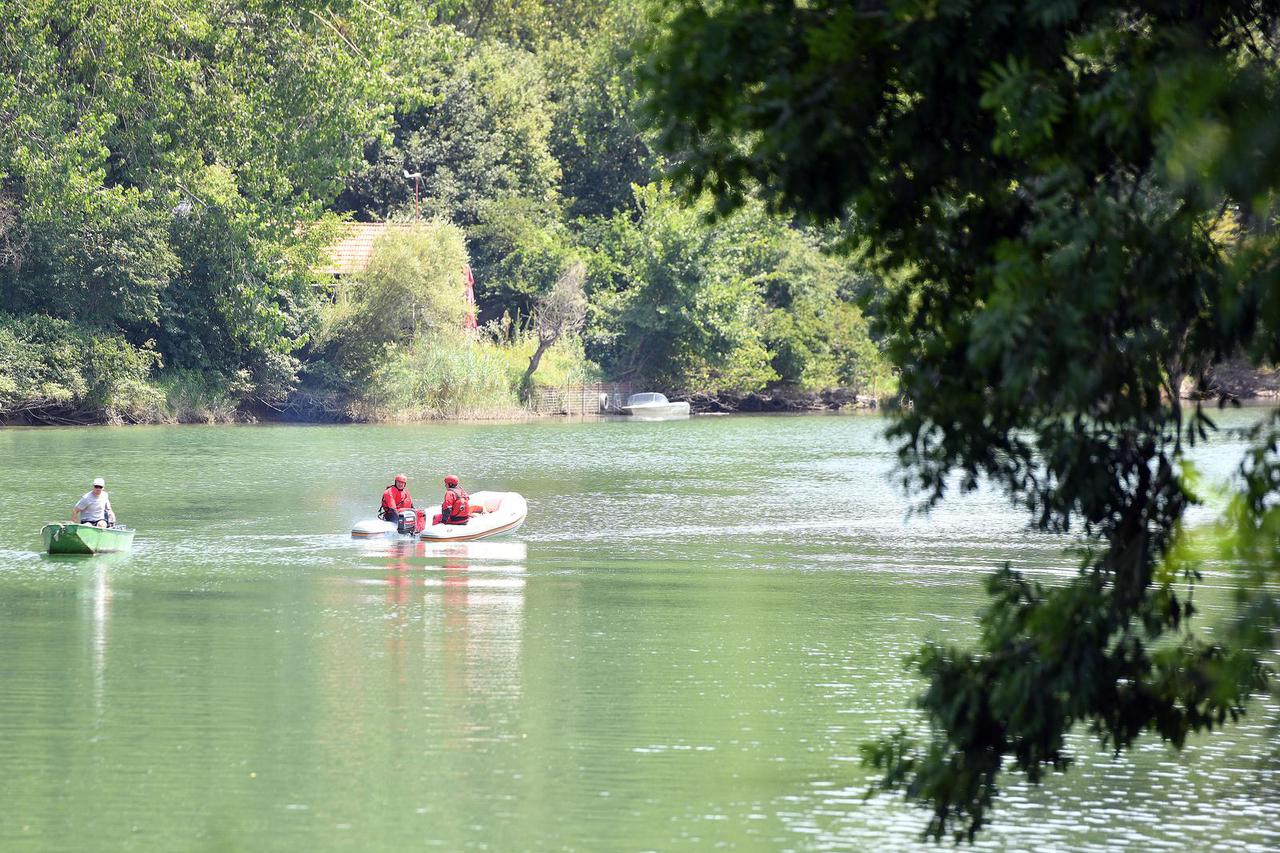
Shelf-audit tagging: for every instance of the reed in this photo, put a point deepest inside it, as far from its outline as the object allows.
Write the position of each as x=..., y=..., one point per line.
x=443, y=376
x=192, y=397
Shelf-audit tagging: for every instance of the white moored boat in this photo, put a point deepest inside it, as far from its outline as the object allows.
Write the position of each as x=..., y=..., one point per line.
x=653, y=407
x=503, y=513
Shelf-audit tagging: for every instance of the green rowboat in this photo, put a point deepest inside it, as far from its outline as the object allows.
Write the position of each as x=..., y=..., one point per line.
x=62, y=538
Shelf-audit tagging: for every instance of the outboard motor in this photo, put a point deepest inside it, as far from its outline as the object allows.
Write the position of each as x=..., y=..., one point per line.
x=408, y=520
x=411, y=521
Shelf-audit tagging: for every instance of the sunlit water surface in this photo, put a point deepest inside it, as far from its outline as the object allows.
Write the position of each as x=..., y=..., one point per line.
x=682, y=649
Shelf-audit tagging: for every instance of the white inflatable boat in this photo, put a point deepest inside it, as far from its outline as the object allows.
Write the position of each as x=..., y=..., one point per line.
x=503, y=513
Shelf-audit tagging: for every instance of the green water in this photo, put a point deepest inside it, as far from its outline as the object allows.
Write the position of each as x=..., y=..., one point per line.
x=681, y=649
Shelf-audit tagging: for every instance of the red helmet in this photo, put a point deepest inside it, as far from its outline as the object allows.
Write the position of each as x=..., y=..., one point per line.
x=401, y=478
x=450, y=480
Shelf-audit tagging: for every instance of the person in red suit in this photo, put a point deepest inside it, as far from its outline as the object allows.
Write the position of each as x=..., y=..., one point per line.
x=456, y=507
x=395, y=498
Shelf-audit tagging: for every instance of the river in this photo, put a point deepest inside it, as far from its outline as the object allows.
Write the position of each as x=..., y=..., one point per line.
x=681, y=649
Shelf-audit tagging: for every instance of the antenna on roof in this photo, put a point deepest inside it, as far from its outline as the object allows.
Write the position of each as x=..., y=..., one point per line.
x=416, y=177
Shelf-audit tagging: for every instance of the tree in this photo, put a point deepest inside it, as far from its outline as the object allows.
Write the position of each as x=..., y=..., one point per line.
x=413, y=288
x=158, y=156
x=561, y=311
x=519, y=252
x=105, y=263
x=529, y=24
x=729, y=306
x=598, y=134
x=815, y=335
x=673, y=302
x=477, y=134
x=1042, y=180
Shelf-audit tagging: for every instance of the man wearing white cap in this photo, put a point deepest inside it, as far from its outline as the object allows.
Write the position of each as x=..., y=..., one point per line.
x=95, y=507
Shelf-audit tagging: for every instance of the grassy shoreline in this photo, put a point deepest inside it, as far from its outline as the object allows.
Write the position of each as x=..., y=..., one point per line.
x=189, y=408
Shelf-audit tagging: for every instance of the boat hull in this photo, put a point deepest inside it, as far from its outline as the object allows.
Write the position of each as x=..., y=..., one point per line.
x=60, y=538
x=371, y=528
x=658, y=411
x=504, y=512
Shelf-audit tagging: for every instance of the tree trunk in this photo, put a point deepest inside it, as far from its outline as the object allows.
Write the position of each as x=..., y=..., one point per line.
x=526, y=382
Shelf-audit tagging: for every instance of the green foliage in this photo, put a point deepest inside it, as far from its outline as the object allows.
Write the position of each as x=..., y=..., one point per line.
x=53, y=370
x=441, y=375
x=519, y=252
x=815, y=335
x=731, y=306
x=166, y=170
x=413, y=286
x=481, y=135
x=1042, y=181
x=143, y=95
x=157, y=157
x=662, y=310
x=448, y=375
x=533, y=25
x=103, y=264
x=245, y=299
x=598, y=133
x=414, y=282
x=826, y=344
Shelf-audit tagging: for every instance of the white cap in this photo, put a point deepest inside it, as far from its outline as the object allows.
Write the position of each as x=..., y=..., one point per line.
x=98, y=481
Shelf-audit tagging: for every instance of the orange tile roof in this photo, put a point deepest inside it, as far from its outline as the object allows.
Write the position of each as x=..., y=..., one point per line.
x=350, y=255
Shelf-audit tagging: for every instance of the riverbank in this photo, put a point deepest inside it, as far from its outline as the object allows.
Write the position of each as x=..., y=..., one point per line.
x=303, y=408
x=782, y=400
x=1236, y=379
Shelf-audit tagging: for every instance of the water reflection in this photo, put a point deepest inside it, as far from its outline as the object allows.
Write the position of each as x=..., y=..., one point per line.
x=101, y=614
x=96, y=595
x=469, y=598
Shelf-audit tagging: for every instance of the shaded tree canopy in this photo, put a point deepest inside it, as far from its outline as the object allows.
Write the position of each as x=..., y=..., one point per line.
x=1076, y=201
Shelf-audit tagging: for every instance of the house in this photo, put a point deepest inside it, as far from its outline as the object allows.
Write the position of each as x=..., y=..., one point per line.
x=350, y=255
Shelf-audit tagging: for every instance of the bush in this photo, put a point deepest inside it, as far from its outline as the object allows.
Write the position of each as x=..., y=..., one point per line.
x=413, y=286
x=54, y=370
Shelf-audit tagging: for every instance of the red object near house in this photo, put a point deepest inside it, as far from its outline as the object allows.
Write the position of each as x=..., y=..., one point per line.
x=470, y=322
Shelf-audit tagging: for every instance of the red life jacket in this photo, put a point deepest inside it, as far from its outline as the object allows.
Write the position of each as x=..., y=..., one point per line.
x=456, y=507
x=396, y=499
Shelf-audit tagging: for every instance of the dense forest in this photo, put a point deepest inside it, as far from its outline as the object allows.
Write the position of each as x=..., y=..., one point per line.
x=172, y=175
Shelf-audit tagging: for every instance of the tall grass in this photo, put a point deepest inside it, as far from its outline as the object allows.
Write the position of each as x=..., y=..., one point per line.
x=563, y=365
x=441, y=376
x=192, y=397
x=446, y=376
